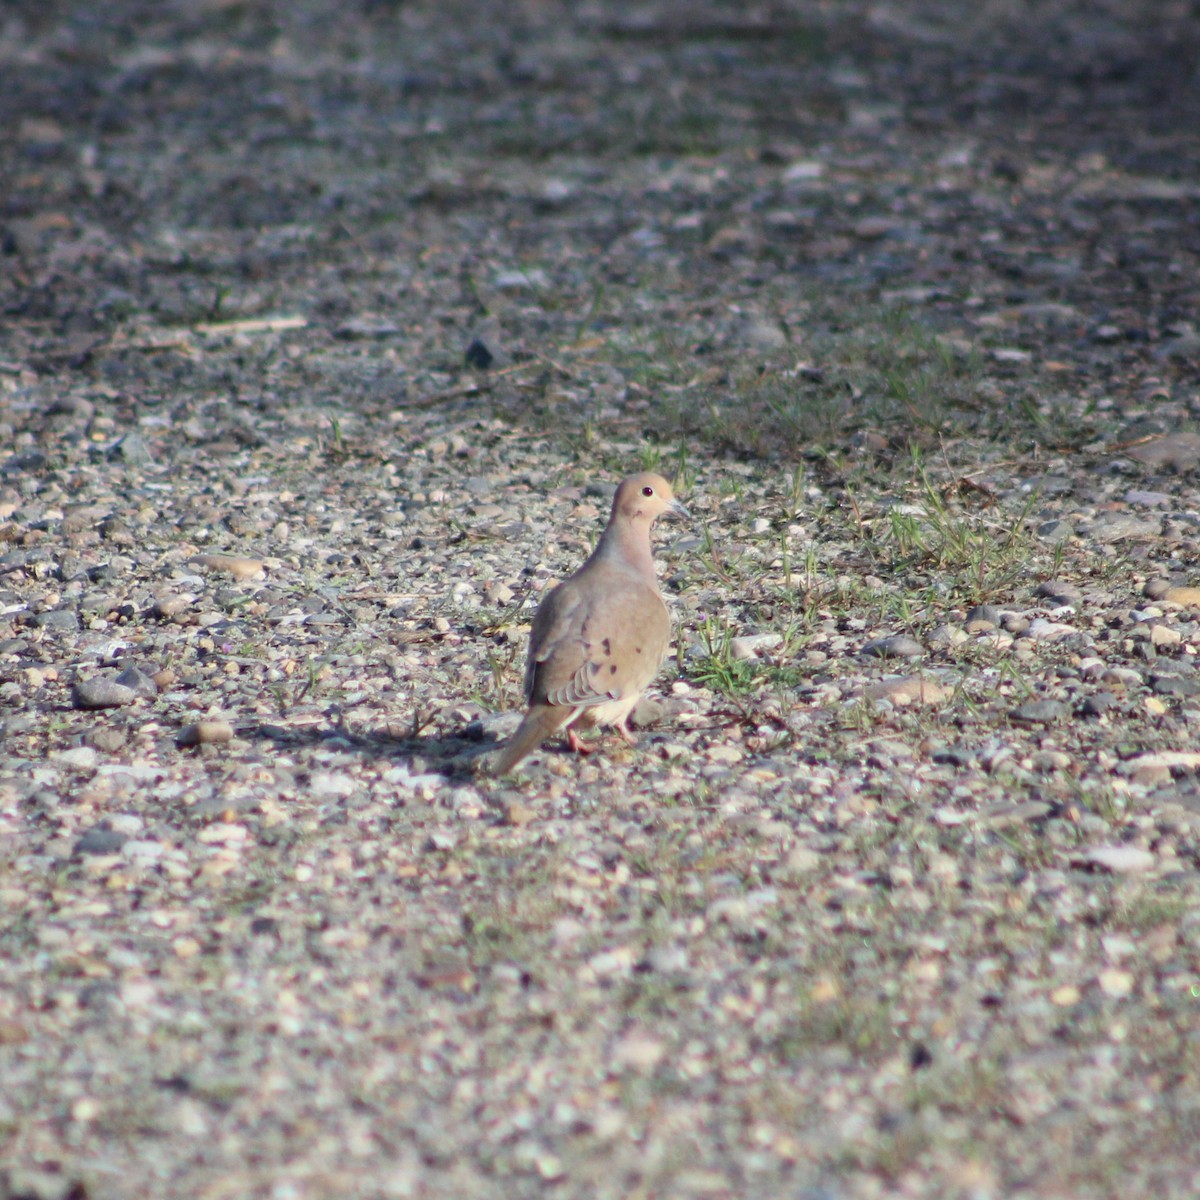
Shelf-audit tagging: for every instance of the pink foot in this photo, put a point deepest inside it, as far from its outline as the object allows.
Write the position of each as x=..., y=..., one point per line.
x=575, y=744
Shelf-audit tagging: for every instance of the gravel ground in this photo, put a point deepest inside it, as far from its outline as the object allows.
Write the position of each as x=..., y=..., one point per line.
x=327, y=333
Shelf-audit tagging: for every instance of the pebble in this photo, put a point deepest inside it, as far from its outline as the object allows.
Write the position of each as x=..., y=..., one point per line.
x=947, y=635
x=1174, y=685
x=138, y=682
x=35, y=1184
x=803, y=171
x=648, y=711
x=519, y=815
x=1039, y=712
x=1184, y=760
x=1115, y=982
x=1055, y=531
x=1164, y=635
x=950, y=816
x=1003, y=814
x=1041, y=630
x=750, y=646
x=1185, y=597
x=337, y=784
x=955, y=756
x=101, y=692
x=86, y=1108
x=62, y=620
x=108, y=740
x=222, y=833
x=1048, y=761
x=132, y=449
x=1121, y=677
x=1183, y=347
x=888, y=750
x=479, y=355
x=1118, y=947
x=1148, y=774
x=82, y=758
x=1096, y=704
x=493, y=726
x=1059, y=592
x=638, y=1050
x=1121, y=860
x=240, y=569
x=366, y=328
x=618, y=961
x=1172, y=452
x=669, y=958
x=168, y=608
x=1108, y=527
x=737, y=909
x=984, y=612
x=801, y=860
x=722, y=753
x=765, y=335
x=143, y=850
x=911, y=689
x=533, y=279
x=982, y=618
x=204, y=733
x=100, y=840
x=191, y=1118
x=899, y=646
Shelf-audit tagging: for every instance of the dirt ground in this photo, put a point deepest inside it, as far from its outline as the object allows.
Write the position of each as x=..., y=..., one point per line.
x=325, y=334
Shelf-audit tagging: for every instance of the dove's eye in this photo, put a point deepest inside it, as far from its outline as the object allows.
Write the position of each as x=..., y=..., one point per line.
x=647, y=490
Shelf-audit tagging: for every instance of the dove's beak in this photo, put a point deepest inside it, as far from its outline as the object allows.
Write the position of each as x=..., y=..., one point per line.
x=676, y=509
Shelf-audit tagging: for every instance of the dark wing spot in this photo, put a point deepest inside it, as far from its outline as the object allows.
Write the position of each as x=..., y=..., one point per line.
x=637, y=649
x=613, y=669
x=593, y=667
x=607, y=647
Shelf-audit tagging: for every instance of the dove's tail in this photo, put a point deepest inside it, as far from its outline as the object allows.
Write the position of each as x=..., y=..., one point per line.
x=539, y=723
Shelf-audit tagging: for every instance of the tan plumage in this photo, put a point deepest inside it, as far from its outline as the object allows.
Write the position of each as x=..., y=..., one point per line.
x=598, y=639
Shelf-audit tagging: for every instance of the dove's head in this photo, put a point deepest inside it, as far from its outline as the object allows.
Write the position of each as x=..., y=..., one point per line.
x=643, y=498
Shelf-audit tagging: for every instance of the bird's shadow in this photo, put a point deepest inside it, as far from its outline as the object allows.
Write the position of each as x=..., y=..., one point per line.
x=453, y=754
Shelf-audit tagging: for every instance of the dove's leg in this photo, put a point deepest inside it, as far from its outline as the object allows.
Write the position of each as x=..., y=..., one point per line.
x=624, y=730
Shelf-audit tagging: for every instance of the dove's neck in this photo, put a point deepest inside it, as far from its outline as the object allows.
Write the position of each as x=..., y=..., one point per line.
x=627, y=546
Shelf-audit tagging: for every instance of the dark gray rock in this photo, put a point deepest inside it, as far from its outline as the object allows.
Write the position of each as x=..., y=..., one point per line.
x=1058, y=592
x=899, y=646
x=1055, y=531
x=99, y=840
x=138, y=681
x=101, y=692
x=1174, y=685
x=133, y=450
x=1096, y=704
x=62, y=620
x=366, y=327
x=1039, y=712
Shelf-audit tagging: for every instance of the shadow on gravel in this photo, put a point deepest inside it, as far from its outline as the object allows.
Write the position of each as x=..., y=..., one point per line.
x=441, y=754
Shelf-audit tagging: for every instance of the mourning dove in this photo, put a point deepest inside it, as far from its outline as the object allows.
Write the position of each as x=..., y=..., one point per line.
x=599, y=638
